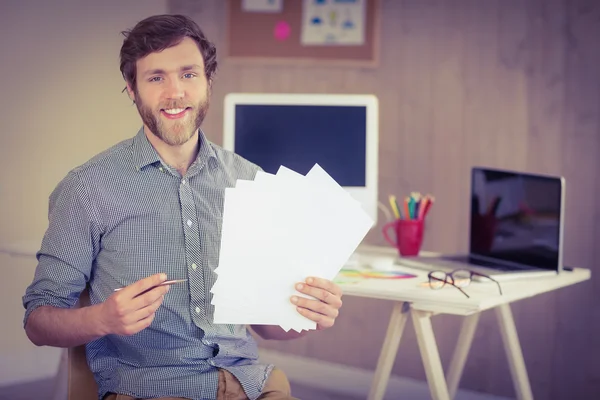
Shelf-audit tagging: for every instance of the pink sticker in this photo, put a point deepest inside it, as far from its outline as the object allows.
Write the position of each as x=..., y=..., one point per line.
x=282, y=30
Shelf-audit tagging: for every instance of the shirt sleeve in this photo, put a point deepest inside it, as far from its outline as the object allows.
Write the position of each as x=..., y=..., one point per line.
x=68, y=248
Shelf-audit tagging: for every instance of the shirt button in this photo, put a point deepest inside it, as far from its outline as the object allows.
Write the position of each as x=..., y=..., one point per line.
x=194, y=266
x=197, y=310
x=189, y=223
x=183, y=182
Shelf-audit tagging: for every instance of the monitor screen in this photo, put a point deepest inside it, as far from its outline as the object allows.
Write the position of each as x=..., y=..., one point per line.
x=517, y=217
x=302, y=136
x=338, y=132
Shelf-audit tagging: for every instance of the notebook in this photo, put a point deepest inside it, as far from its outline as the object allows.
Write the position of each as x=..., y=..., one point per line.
x=516, y=227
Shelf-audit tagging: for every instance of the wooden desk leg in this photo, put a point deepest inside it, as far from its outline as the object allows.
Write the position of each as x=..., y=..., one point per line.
x=513, y=352
x=457, y=365
x=389, y=351
x=430, y=355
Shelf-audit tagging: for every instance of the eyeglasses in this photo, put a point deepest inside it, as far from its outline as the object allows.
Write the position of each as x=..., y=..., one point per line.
x=460, y=278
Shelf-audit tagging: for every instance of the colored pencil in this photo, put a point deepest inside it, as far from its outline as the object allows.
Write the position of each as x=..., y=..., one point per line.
x=406, y=208
x=394, y=206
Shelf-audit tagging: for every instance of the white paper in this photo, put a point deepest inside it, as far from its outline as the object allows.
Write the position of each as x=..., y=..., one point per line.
x=277, y=230
x=270, y=6
x=333, y=22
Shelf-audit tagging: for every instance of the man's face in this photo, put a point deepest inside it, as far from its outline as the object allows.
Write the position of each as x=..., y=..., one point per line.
x=172, y=93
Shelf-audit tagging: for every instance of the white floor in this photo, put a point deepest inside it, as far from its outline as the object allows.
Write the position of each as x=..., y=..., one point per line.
x=310, y=380
x=316, y=379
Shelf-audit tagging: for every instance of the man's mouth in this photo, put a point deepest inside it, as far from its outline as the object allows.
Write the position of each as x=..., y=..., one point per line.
x=174, y=113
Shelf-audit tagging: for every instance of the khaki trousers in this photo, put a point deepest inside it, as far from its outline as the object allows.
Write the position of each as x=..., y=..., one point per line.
x=276, y=388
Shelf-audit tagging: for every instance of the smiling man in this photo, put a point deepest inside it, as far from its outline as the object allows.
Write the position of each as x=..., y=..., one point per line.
x=144, y=211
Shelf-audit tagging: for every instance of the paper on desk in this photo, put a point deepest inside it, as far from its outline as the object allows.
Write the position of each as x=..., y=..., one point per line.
x=276, y=231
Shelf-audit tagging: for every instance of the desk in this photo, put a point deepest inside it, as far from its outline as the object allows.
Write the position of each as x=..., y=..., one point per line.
x=421, y=303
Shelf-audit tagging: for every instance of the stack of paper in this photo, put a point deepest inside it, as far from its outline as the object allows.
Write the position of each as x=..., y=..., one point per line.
x=277, y=231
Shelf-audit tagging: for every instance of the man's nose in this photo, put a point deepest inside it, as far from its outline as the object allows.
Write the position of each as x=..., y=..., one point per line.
x=174, y=89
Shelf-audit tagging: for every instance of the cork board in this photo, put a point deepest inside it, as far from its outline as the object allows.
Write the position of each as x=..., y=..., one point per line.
x=253, y=37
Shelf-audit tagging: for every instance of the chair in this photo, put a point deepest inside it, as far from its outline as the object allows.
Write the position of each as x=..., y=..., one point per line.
x=81, y=384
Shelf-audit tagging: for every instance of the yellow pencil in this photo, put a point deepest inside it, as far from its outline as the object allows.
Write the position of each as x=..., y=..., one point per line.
x=398, y=208
x=393, y=203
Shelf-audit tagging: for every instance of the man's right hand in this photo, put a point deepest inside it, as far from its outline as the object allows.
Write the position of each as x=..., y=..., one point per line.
x=132, y=309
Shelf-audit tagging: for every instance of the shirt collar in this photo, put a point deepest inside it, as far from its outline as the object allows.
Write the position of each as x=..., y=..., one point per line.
x=144, y=153
x=206, y=151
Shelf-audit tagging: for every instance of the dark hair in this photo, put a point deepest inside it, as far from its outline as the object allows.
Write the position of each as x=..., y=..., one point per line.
x=157, y=33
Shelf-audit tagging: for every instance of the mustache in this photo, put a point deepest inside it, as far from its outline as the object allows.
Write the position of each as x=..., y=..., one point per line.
x=174, y=104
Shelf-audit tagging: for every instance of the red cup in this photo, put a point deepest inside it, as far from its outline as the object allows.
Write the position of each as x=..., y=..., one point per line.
x=409, y=235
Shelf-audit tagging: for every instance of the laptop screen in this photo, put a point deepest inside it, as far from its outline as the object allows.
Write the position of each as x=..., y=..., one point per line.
x=516, y=217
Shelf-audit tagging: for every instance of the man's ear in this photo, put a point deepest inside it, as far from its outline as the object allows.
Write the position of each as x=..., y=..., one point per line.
x=130, y=92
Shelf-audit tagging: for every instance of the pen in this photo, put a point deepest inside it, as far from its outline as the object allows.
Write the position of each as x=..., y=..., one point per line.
x=161, y=284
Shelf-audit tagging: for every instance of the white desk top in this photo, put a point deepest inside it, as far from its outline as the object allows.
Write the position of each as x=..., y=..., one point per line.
x=450, y=300
x=21, y=248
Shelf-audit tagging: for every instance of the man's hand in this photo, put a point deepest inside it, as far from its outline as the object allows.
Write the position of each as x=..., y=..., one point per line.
x=325, y=309
x=132, y=309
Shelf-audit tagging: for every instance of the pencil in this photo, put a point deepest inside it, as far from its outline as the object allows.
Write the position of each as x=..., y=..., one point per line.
x=394, y=206
x=429, y=204
x=406, y=209
x=161, y=284
x=398, y=208
x=423, y=206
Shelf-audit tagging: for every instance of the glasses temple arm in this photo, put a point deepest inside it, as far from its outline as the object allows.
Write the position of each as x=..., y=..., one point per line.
x=450, y=283
x=491, y=279
x=463, y=292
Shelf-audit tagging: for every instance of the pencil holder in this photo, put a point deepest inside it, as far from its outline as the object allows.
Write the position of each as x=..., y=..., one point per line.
x=408, y=235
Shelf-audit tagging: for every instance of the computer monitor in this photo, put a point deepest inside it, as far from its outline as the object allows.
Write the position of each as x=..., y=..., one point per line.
x=338, y=132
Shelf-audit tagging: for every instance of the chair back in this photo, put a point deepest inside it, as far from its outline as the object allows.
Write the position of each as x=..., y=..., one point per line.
x=81, y=383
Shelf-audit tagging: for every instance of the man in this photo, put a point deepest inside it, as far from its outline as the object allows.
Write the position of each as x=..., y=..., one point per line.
x=144, y=211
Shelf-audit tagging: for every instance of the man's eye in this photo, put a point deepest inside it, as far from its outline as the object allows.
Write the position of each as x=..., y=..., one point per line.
x=189, y=75
x=154, y=79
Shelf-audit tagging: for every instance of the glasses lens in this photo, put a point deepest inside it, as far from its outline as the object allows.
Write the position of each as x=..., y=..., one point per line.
x=437, y=279
x=462, y=278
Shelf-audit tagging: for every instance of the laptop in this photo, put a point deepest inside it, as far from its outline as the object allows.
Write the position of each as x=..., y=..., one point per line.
x=516, y=227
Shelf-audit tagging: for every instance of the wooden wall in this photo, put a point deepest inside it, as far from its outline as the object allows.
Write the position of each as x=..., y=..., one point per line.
x=502, y=83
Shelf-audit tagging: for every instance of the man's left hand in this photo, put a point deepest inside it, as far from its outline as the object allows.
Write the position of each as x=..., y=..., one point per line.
x=325, y=309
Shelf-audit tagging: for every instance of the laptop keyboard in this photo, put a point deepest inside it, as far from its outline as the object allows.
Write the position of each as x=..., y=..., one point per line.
x=497, y=266
x=486, y=263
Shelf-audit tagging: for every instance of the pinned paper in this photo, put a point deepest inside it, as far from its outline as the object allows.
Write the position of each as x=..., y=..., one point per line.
x=267, y=6
x=337, y=23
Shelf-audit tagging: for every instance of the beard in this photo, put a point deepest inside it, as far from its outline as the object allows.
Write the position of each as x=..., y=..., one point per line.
x=173, y=132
